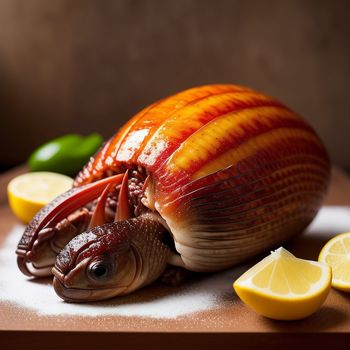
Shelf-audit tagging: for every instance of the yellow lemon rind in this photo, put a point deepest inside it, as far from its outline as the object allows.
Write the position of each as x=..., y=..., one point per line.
x=25, y=206
x=336, y=283
x=283, y=306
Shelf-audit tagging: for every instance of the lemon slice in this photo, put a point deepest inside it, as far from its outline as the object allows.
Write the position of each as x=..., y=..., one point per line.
x=336, y=253
x=284, y=287
x=28, y=193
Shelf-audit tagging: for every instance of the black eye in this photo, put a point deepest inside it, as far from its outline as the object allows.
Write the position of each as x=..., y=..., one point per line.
x=99, y=270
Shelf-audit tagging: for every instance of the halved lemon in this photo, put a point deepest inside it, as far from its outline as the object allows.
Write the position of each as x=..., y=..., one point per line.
x=28, y=193
x=284, y=287
x=336, y=253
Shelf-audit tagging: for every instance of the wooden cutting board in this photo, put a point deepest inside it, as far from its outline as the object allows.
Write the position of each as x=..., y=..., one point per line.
x=227, y=324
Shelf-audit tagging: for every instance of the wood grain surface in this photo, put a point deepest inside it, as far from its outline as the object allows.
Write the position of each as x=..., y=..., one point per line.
x=231, y=325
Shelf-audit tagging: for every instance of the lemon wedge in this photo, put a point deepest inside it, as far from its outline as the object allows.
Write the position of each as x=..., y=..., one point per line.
x=336, y=253
x=284, y=287
x=28, y=193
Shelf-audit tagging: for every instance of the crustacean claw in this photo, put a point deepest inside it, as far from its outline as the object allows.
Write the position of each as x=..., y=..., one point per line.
x=28, y=250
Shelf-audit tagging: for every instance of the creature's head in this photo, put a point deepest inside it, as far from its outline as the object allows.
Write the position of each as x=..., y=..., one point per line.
x=110, y=260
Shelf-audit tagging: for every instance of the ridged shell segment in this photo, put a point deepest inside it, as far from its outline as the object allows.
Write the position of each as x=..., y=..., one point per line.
x=152, y=135
x=234, y=171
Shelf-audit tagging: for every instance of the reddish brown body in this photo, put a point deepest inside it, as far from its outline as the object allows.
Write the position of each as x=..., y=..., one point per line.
x=201, y=180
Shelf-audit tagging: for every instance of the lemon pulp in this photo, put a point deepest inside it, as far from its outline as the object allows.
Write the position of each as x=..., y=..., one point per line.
x=28, y=193
x=336, y=253
x=284, y=287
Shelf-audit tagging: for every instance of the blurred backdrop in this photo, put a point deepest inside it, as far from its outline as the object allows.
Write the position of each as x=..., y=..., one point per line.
x=88, y=65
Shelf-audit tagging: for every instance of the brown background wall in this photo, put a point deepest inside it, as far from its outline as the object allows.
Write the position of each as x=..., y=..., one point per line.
x=83, y=66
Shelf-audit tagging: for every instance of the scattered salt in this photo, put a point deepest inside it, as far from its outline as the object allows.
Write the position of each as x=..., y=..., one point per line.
x=204, y=294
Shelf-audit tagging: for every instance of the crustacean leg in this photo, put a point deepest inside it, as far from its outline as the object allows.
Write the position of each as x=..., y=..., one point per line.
x=98, y=218
x=123, y=208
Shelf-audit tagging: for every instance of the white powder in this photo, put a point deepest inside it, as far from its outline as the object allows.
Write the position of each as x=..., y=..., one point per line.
x=203, y=294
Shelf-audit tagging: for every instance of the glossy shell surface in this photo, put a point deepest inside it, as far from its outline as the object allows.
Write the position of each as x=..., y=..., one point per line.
x=233, y=172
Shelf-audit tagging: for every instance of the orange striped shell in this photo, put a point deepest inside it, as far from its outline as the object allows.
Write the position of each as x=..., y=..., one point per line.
x=234, y=172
